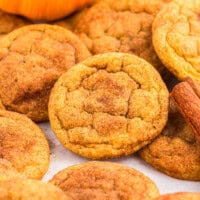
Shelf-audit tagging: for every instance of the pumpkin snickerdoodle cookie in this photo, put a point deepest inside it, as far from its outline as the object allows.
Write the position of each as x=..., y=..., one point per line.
x=23, y=144
x=176, y=38
x=10, y=22
x=176, y=151
x=121, y=26
x=105, y=180
x=180, y=196
x=109, y=105
x=32, y=58
x=18, y=189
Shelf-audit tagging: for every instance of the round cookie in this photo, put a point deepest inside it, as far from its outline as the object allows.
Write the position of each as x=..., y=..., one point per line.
x=32, y=58
x=176, y=38
x=23, y=144
x=121, y=26
x=10, y=22
x=18, y=189
x=105, y=180
x=176, y=151
x=180, y=196
x=108, y=106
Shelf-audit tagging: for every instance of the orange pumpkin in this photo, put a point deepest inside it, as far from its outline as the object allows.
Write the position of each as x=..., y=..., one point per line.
x=42, y=9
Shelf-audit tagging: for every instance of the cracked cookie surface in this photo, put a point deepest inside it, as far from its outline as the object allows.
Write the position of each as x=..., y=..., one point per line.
x=18, y=189
x=10, y=22
x=176, y=151
x=23, y=144
x=109, y=105
x=32, y=58
x=176, y=38
x=105, y=180
x=121, y=26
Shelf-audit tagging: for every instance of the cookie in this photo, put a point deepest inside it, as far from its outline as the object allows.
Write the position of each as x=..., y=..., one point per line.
x=108, y=106
x=105, y=180
x=175, y=152
x=121, y=26
x=18, y=189
x=10, y=22
x=23, y=144
x=176, y=38
x=71, y=21
x=180, y=196
x=7, y=171
x=186, y=96
x=32, y=58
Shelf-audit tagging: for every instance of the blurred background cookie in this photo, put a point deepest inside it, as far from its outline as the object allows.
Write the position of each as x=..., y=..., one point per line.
x=10, y=22
x=121, y=26
x=176, y=36
x=23, y=144
x=18, y=189
x=176, y=151
x=108, y=106
x=32, y=58
x=71, y=21
x=105, y=180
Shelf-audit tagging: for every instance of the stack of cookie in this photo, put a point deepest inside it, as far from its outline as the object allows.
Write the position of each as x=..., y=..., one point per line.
x=101, y=81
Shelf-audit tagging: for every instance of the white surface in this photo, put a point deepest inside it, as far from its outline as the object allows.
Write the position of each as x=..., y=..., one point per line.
x=62, y=158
